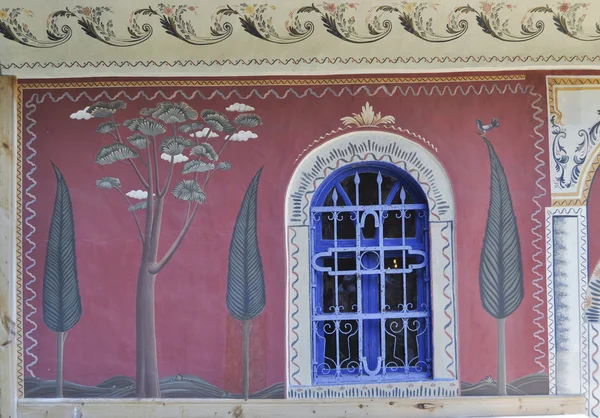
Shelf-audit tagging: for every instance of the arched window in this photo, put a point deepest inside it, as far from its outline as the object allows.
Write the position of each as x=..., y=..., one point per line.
x=370, y=282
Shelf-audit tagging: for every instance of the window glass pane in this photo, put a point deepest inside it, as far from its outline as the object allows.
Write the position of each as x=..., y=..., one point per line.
x=346, y=228
x=401, y=348
x=368, y=190
x=347, y=288
x=395, y=288
x=350, y=188
x=392, y=224
x=347, y=332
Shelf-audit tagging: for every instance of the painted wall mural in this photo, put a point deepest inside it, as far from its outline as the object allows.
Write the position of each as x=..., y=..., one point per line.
x=175, y=212
x=166, y=37
x=338, y=19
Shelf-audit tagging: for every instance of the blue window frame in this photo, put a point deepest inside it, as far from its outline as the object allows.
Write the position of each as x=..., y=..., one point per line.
x=370, y=293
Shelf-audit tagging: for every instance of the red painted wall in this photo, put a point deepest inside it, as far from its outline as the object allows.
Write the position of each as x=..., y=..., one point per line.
x=194, y=331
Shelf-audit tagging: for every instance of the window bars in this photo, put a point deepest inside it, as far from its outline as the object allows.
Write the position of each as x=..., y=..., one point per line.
x=370, y=302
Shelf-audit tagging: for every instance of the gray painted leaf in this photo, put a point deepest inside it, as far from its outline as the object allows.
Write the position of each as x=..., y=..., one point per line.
x=218, y=122
x=60, y=295
x=196, y=166
x=245, y=281
x=108, y=183
x=500, y=268
x=112, y=153
x=189, y=190
x=106, y=127
x=248, y=119
x=138, y=206
x=205, y=150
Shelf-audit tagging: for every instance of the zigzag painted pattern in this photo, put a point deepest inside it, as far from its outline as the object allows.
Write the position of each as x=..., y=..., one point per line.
x=550, y=306
x=448, y=258
x=538, y=264
x=308, y=60
x=296, y=323
x=32, y=295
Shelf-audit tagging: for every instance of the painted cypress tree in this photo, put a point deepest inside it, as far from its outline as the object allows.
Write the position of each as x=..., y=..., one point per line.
x=245, y=281
x=61, y=301
x=500, y=268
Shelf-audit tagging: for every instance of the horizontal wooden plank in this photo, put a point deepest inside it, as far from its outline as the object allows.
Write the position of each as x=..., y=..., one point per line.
x=347, y=408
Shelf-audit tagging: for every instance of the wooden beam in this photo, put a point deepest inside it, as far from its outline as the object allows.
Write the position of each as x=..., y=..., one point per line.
x=8, y=227
x=347, y=408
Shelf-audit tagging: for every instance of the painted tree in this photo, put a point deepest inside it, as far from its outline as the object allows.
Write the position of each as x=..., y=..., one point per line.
x=245, y=281
x=500, y=268
x=61, y=301
x=169, y=133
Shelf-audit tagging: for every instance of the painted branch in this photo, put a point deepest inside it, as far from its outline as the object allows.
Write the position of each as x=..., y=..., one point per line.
x=168, y=182
x=246, y=357
x=156, y=168
x=137, y=172
x=149, y=200
x=501, y=357
x=137, y=222
x=60, y=346
x=154, y=268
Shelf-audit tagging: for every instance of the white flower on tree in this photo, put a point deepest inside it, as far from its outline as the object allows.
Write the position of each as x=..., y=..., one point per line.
x=137, y=194
x=179, y=158
x=205, y=133
x=81, y=114
x=239, y=107
x=242, y=136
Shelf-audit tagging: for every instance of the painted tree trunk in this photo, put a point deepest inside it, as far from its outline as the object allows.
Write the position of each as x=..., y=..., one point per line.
x=147, y=381
x=60, y=346
x=501, y=357
x=246, y=357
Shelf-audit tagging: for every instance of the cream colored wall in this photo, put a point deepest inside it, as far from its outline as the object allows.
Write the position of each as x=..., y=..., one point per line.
x=445, y=36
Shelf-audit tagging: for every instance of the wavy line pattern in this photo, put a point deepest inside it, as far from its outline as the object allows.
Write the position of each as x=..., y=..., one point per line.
x=427, y=90
x=306, y=60
x=30, y=317
x=583, y=280
x=538, y=264
x=447, y=296
x=19, y=250
x=593, y=410
x=296, y=307
x=550, y=303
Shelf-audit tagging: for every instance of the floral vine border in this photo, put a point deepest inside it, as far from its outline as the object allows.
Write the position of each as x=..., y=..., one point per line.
x=339, y=20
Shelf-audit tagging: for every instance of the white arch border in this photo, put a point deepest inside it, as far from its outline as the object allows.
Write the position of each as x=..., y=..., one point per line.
x=426, y=169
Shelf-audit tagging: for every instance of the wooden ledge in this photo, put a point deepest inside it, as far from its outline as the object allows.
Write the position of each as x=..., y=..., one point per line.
x=508, y=406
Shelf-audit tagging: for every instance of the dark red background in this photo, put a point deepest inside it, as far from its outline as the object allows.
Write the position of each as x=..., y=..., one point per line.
x=194, y=331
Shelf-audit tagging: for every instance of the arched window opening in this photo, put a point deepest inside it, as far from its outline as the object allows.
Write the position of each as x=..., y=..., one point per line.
x=370, y=283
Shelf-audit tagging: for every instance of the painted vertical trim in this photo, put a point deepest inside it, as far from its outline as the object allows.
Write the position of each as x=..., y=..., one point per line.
x=8, y=241
x=567, y=276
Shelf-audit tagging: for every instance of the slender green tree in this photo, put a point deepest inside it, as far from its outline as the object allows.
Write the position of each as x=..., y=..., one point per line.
x=245, y=280
x=500, y=268
x=60, y=295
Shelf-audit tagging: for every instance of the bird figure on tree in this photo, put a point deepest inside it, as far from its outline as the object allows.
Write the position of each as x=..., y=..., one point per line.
x=484, y=129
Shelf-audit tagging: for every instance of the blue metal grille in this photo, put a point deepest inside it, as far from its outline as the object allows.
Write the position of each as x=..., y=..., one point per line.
x=370, y=302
